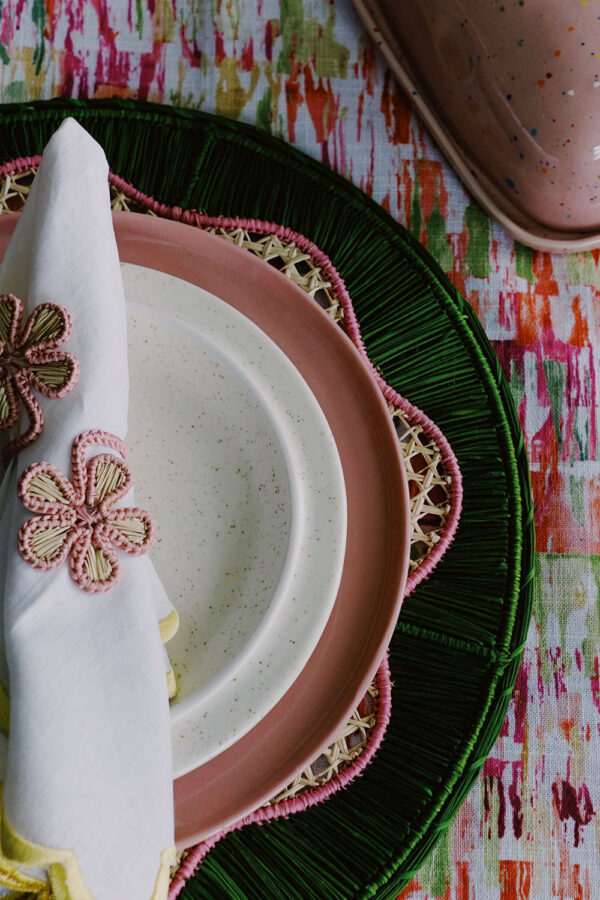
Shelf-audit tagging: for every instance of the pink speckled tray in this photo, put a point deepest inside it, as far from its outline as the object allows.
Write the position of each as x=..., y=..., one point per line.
x=508, y=91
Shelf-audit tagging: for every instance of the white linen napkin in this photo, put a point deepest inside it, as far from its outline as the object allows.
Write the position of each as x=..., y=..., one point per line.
x=89, y=753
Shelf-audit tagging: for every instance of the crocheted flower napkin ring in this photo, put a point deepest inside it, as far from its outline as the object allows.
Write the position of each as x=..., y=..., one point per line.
x=30, y=361
x=76, y=518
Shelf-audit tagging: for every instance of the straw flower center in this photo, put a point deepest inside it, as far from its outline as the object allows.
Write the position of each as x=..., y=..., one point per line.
x=77, y=519
x=11, y=360
x=87, y=515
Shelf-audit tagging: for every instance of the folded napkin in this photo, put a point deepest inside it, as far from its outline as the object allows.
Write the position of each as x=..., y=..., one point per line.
x=87, y=795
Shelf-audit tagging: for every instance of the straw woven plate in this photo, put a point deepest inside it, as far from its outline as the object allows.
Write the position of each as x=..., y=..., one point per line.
x=433, y=476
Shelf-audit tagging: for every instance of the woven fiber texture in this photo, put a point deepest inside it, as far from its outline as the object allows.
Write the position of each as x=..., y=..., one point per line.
x=456, y=650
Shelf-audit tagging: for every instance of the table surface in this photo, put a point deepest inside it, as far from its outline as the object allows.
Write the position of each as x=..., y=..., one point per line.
x=305, y=70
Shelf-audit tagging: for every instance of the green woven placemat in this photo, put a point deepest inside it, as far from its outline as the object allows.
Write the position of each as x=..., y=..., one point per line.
x=457, y=647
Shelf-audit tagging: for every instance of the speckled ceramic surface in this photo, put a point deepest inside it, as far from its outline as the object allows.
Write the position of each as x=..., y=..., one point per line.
x=317, y=706
x=233, y=453
x=510, y=90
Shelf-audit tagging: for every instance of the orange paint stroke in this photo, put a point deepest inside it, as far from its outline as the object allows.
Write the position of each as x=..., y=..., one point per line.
x=580, y=336
x=368, y=65
x=462, y=881
x=411, y=890
x=515, y=879
x=322, y=103
x=396, y=111
x=430, y=181
x=293, y=99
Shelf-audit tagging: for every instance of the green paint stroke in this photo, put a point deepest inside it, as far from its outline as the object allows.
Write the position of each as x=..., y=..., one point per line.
x=436, y=874
x=576, y=492
x=582, y=269
x=139, y=18
x=305, y=40
x=191, y=100
x=263, y=110
x=555, y=586
x=556, y=375
x=291, y=27
x=590, y=645
x=38, y=17
x=437, y=240
x=524, y=262
x=281, y=128
x=15, y=91
x=564, y=583
x=5, y=58
x=478, y=250
x=516, y=383
x=168, y=24
x=331, y=57
x=226, y=17
x=583, y=440
x=416, y=216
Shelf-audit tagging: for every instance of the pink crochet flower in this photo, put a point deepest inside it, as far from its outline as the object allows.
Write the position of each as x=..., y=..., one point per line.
x=77, y=519
x=29, y=360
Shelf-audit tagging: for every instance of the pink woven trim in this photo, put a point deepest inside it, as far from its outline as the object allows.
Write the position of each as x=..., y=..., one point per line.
x=450, y=464
x=21, y=164
x=89, y=538
x=22, y=390
x=83, y=517
x=22, y=362
x=81, y=445
x=285, y=808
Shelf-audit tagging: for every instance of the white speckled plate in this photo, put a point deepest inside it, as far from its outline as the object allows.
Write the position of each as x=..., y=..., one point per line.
x=233, y=454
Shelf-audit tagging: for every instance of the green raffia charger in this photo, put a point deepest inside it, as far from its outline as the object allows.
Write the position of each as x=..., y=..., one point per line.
x=457, y=647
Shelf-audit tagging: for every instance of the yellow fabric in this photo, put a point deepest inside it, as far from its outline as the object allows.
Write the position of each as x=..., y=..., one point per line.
x=168, y=626
x=58, y=880
x=161, y=886
x=12, y=877
x=65, y=876
x=24, y=852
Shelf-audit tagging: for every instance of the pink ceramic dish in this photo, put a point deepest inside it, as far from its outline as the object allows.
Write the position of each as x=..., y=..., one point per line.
x=318, y=704
x=511, y=92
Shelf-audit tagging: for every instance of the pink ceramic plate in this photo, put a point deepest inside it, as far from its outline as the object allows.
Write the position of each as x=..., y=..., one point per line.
x=510, y=93
x=319, y=703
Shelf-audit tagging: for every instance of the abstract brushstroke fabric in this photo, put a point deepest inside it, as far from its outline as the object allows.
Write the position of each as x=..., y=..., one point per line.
x=304, y=70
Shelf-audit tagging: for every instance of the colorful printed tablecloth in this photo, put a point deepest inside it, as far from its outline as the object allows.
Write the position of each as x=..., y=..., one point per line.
x=305, y=70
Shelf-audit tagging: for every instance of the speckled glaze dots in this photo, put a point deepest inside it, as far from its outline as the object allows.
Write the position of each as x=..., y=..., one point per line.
x=509, y=88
